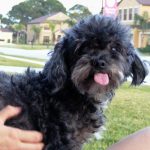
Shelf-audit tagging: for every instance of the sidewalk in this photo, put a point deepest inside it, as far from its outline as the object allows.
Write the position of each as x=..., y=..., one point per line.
x=13, y=69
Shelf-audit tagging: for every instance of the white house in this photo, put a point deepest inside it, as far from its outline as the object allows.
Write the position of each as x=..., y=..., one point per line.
x=6, y=36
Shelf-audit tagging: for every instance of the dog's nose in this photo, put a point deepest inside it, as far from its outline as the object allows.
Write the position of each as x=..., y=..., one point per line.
x=102, y=64
x=99, y=64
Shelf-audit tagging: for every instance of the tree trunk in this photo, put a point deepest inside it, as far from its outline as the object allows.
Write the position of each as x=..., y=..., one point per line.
x=17, y=38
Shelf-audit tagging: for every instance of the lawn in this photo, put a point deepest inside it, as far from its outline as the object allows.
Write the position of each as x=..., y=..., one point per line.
x=128, y=112
x=10, y=62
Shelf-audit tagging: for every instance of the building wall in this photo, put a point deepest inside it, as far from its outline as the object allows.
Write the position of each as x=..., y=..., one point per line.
x=136, y=37
x=45, y=32
x=144, y=36
x=144, y=8
x=29, y=33
x=140, y=39
x=127, y=5
x=5, y=37
x=59, y=16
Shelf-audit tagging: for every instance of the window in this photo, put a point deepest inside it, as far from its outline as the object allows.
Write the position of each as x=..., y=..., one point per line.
x=46, y=28
x=130, y=14
x=120, y=14
x=125, y=14
x=8, y=41
x=136, y=10
x=46, y=40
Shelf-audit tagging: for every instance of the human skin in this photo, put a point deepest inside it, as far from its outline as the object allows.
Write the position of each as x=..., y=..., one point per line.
x=139, y=140
x=17, y=139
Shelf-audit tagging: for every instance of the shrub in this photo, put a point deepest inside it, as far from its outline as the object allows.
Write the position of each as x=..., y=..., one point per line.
x=145, y=49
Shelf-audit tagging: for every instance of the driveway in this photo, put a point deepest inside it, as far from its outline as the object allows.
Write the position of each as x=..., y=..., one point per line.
x=23, y=59
x=43, y=54
x=13, y=69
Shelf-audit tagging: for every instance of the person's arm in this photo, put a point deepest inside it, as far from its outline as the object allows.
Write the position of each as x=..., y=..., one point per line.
x=17, y=139
x=137, y=141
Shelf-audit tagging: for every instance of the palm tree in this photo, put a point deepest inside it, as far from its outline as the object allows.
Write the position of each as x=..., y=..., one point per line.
x=1, y=16
x=52, y=27
x=142, y=22
x=71, y=22
x=18, y=28
x=36, y=31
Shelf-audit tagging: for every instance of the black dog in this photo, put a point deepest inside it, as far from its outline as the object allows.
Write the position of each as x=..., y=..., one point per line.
x=65, y=101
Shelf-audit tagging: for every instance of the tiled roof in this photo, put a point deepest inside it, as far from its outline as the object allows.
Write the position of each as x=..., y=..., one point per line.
x=44, y=18
x=41, y=19
x=144, y=2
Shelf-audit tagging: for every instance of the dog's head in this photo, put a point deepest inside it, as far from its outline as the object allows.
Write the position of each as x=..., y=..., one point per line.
x=96, y=55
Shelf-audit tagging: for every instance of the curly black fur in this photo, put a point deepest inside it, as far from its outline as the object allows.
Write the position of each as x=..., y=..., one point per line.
x=63, y=101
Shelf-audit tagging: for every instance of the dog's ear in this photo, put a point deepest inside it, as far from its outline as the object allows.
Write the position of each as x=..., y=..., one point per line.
x=138, y=70
x=55, y=69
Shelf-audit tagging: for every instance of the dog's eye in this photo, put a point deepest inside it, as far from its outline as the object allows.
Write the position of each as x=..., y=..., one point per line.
x=114, y=49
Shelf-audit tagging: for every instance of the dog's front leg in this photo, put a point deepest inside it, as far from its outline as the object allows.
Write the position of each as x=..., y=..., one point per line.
x=54, y=141
x=56, y=147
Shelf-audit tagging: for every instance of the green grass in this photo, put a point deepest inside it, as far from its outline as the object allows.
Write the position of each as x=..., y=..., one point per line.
x=128, y=112
x=10, y=62
x=28, y=47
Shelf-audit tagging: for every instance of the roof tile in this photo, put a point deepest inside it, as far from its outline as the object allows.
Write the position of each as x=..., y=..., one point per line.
x=144, y=2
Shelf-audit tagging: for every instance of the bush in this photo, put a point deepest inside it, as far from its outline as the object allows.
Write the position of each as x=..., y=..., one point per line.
x=145, y=49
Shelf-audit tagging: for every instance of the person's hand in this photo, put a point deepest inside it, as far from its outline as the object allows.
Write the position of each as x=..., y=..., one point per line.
x=17, y=139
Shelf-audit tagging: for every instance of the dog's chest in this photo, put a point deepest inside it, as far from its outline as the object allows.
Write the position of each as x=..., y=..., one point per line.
x=80, y=117
x=83, y=125
x=90, y=120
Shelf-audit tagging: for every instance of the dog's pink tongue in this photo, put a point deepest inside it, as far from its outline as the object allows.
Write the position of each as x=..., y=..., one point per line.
x=101, y=78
